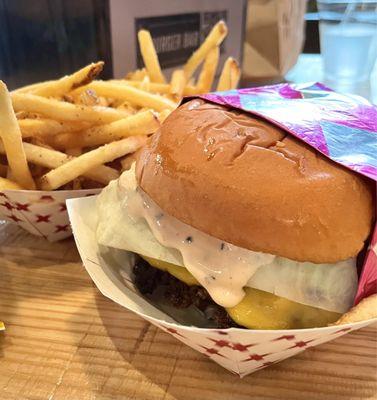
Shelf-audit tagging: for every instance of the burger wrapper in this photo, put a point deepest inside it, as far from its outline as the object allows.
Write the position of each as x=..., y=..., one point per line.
x=341, y=127
x=40, y=213
x=241, y=351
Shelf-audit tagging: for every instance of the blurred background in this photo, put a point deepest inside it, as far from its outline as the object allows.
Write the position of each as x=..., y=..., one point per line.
x=274, y=40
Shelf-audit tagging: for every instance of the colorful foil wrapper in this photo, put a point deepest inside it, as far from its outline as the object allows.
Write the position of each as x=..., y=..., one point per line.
x=40, y=213
x=341, y=127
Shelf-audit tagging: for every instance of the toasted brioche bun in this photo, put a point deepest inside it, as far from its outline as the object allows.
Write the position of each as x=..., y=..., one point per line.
x=247, y=182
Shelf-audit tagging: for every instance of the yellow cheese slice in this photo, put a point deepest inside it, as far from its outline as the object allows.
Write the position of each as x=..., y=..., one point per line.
x=263, y=310
x=180, y=273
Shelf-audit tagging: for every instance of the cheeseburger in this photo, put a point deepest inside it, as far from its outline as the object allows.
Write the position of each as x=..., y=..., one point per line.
x=227, y=213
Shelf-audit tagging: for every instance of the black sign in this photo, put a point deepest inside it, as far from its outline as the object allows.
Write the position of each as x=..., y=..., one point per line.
x=176, y=37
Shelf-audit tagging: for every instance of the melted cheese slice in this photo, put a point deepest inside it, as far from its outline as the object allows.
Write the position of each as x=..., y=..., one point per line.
x=263, y=310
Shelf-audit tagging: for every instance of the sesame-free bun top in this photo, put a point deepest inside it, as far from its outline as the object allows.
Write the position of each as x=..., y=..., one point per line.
x=245, y=181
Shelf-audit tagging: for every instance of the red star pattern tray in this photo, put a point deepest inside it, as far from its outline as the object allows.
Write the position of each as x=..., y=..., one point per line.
x=241, y=351
x=40, y=213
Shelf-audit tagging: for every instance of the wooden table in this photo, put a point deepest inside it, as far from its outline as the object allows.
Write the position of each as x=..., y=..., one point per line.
x=64, y=340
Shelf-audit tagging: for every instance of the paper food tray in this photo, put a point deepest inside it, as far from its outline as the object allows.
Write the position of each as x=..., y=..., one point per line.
x=40, y=213
x=241, y=351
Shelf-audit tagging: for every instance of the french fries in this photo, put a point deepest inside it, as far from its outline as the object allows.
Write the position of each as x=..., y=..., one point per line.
x=148, y=52
x=70, y=82
x=49, y=127
x=51, y=159
x=144, y=123
x=230, y=75
x=60, y=134
x=160, y=88
x=214, y=39
x=30, y=88
x=135, y=96
x=62, y=111
x=12, y=139
x=178, y=82
x=82, y=164
x=207, y=75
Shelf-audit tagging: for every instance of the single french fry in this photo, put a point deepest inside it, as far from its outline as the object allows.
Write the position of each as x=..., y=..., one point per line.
x=87, y=161
x=52, y=159
x=33, y=86
x=150, y=58
x=214, y=38
x=224, y=82
x=137, y=75
x=208, y=72
x=142, y=123
x=64, y=111
x=3, y=170
x=70, y=82
x=177, y=83
x=160, y=88
x=7, y=184
x=10, y=134
x=235, y=74
x=49, y=127
x=132, y=94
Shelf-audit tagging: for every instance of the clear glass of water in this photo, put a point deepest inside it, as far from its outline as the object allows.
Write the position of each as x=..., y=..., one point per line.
x=348, y=37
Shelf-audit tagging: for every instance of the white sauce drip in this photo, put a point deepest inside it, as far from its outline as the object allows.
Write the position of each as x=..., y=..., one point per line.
x=222, y=268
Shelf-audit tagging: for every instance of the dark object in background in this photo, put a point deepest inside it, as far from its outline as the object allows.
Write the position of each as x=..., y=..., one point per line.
x=45, y=39
x=176, y=37
x=311, y=45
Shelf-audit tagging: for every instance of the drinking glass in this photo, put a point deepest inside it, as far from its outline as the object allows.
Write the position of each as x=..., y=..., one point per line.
x=348, y=38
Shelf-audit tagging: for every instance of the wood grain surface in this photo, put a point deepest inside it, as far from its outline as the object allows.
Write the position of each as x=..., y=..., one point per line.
x=65, y=341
